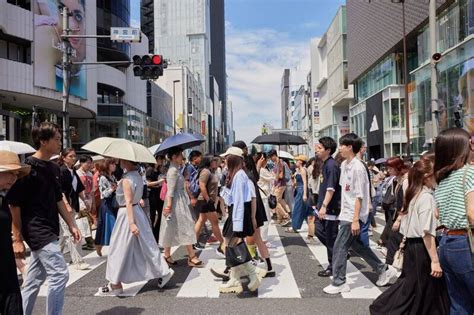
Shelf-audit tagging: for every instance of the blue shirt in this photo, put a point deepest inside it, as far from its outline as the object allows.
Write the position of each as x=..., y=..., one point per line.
x=329, y=180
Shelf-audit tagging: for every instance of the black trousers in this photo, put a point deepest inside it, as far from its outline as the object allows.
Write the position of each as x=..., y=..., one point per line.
x=326, y=232
x=10, y=294
x=156, y=210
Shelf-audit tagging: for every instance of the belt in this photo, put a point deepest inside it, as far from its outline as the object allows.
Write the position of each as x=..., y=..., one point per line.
x=133, y=205
x=455, y=232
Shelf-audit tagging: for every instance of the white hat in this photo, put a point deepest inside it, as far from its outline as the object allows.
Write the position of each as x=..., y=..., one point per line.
x=233, y=151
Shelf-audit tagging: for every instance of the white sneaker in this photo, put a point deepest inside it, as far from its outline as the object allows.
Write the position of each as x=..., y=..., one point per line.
x=386, y=276
x=82, y=266
x=270, y=245
x=332, y=289
x=164, y=280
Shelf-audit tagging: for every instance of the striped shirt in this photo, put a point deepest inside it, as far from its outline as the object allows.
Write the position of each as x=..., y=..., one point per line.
x=449, y=196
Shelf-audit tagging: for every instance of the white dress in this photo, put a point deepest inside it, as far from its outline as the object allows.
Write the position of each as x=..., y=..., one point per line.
x=133, y=258
x=179, y=229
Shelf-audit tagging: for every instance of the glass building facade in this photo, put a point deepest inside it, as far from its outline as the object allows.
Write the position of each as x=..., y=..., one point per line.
x=455, y=27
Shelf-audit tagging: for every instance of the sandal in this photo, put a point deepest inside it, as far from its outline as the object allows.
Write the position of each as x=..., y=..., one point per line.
x=170, y=261
x=107, y=290
x=198, y=264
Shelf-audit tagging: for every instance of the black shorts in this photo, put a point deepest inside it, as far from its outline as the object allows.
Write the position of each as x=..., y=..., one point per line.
x=202, y=206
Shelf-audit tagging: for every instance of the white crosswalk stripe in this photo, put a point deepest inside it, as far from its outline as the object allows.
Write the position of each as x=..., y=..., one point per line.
x=200, y=283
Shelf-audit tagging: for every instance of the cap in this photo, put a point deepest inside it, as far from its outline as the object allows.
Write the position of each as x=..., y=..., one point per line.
x=301, y=157
x=233, y=151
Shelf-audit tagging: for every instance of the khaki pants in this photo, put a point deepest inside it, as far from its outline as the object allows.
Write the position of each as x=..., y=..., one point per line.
x=282, y=208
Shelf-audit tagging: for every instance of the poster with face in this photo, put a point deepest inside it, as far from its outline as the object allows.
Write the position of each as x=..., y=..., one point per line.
x=49, y=47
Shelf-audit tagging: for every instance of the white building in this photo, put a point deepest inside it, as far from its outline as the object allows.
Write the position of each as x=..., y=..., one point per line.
x=331, y=94
x=187, y=100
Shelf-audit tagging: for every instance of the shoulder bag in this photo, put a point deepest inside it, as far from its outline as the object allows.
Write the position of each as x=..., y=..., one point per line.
x=398, y=257
x=237, y=254
x=272, y=199
x=468, y=227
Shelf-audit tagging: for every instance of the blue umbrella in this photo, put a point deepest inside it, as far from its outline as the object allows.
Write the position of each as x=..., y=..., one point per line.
x=180, y=140
x=380, y=161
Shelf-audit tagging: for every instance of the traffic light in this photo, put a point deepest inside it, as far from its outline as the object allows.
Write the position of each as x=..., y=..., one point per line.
x=148, y=66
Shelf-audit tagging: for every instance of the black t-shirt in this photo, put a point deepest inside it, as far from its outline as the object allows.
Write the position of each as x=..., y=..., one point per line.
x=330, y=179
x=152, y=175
x=37, y=194
x=72, y=195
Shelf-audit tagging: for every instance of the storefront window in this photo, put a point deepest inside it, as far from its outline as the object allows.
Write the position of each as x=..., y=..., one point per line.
x=395, y=113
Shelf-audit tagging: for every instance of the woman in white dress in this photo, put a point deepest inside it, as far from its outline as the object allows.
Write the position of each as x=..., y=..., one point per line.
x=133, y=253
x=177, y=224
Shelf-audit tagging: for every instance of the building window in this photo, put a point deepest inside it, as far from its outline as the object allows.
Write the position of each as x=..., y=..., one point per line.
x=15, y=51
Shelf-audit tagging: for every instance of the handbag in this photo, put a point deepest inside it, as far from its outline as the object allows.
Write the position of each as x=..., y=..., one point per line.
x=398, y=257
x=468, y=227
x=114, y=203
x=236, y=255
x=84, y=227
x=272, y=201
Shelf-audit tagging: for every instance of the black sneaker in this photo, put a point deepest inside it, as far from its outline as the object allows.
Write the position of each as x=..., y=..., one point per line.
x=270, y=273
x=220, y=274
x=198, y=246
x=325, y=273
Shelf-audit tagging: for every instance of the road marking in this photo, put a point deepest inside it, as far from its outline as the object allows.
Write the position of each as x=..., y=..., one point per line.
x=74, y=275
x=361, y=287
x=200, y=281
x=283, y=285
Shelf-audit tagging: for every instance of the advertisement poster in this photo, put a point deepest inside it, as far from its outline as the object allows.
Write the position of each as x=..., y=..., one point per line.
x=48, y=46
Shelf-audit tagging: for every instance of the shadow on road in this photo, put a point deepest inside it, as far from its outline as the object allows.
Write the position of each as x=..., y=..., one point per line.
x=122, y=310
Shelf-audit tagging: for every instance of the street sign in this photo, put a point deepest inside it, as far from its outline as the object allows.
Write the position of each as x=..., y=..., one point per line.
x=125, y=34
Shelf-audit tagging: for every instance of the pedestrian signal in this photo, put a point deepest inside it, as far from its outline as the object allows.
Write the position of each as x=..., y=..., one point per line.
x=148, y=67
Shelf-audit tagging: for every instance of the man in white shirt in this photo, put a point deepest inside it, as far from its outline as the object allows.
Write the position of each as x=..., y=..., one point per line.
x=355, y=200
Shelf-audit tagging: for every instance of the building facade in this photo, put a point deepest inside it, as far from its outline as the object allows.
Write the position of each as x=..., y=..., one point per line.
x=187, y=102
x=105, y=100
x=332, y=95
x=285, y=98
x=375, y=54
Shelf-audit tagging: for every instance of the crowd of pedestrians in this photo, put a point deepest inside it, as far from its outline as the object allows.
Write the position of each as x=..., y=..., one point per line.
x=140, y=212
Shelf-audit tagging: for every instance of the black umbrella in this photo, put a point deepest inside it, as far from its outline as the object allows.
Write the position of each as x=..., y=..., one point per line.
x=279, y=139
x=181, y=140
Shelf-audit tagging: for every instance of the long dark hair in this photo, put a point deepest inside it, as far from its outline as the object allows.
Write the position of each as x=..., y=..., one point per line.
x=63, y=154
x=318, y=165
x=206, y=162
x=234, y=164
x=452, y=150
x=416, y=179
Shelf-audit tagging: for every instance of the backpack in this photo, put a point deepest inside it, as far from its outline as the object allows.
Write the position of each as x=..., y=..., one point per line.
x=287, y=172
x=194, y=182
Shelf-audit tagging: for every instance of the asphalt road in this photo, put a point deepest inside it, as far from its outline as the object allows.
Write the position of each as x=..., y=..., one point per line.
x=296, y=289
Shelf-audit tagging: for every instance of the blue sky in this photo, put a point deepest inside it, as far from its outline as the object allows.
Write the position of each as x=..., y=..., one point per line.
x=263, y=37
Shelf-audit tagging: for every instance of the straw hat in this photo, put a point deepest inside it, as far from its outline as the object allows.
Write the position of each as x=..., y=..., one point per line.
x=301, y=157
x=9, y=162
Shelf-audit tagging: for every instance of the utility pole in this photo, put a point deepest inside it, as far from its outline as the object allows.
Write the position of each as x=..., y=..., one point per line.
x=66, y=64
x=405, y=74
x=434, y=72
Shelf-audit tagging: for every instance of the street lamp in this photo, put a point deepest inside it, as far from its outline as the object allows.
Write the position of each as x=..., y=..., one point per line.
x=174, y=104
x=405, y=76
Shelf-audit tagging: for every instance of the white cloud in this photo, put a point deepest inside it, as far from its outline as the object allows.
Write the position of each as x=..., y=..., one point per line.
x=255, y=62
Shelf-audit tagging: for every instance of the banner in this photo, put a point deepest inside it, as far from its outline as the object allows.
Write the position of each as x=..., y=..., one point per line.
x=48, y=46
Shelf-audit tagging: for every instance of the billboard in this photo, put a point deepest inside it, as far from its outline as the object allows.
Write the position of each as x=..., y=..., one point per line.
x=48, y=45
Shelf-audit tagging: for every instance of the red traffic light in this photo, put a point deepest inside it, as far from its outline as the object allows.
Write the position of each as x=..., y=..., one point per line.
x=157, y=59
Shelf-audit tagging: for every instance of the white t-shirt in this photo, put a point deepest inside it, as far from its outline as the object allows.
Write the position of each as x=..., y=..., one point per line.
x=354, y=183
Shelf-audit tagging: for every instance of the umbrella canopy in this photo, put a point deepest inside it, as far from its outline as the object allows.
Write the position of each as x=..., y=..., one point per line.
x=154, y=148
x=180, y=140
x=380, y=161
x=120, y=149
x=285, y=155
x=16, y=147
x=279, y=139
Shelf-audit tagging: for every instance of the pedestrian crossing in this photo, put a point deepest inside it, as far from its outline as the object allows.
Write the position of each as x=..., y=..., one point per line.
x=295, y=261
